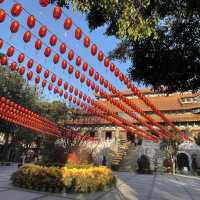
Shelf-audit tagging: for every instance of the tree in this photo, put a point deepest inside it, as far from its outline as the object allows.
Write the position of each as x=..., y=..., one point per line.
x=16, y=139
x=170, y=149
x=159, y=37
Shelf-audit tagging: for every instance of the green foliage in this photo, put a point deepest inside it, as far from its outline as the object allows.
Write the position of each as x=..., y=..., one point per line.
x=127, y=18
x=160, y=38
x=54, y=179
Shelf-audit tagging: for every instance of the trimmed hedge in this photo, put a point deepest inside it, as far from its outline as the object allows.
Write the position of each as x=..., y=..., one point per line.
x=64, y=179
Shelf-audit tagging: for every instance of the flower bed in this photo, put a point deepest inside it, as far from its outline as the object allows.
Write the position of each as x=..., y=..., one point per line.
x=64, y=179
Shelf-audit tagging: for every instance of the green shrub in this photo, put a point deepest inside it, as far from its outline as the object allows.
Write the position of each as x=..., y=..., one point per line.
x=69, y=178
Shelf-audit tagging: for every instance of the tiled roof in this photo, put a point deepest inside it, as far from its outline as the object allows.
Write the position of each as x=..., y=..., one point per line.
x=173, y=117
x=163, y=103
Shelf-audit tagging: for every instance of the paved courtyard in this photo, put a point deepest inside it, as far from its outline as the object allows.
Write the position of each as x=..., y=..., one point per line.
x=130, y=187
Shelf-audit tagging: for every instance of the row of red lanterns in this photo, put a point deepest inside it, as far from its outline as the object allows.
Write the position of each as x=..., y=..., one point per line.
x=78, y=34
x=39, y=69
x=23, y=117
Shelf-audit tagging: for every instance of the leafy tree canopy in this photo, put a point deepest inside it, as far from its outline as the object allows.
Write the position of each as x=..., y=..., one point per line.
x=160, y=37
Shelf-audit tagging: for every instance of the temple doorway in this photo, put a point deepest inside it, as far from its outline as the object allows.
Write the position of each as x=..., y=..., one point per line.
x=183, y=161
x=131, y=137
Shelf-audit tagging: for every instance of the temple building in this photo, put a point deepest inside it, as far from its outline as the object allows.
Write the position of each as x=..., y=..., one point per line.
x=183, y=109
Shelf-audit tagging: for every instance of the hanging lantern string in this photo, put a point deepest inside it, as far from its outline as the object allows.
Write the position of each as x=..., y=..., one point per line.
x=108, y=99
x=141, y=96
x=33, y=34
x=128, y=123
x=76, y=68
x=31, y=120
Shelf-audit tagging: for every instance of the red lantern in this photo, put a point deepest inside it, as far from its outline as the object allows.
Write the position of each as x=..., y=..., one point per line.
x=82, y=79
x=61, y=93
x=78, y=61
x=13, y=66
x=53, y=40
x=101, y=80
x=96, y=88
x=80, y=94
x=65, y=85
x=100, y=56
x=47, y=51
x=50, y=86
x=56, y=90
x=88, y=82
x=38, y=44
x=30, y=63
x=70, y=69
x=70, y=98
x=10, y=51
x=27, y=36
x=14, y=27
x=86, y=41
x=42, y=31
x=57, y=12
x=29, y=75
x=71, y=88
x=68, y=23
x=91, y=71
x=46, y=74
x=105, y=83
x=92, y=85
x=125, y=80
x=112, y=67
x=78, y=33
x=56, y=58
x=71, y=55
x=85, y=66
x=31, y=21
x=21, y=58
x=84, y=97
x=96, y=76
x=77, y=74
x=1, y=43
x=94, y=49
x=121, y=76
x=2, y=15
x=39, y=69
x=106, y=62
x=59, y=82
x=76, y=92
x=63, y=48
x=37, y=79
x=88, y=99
x=44, y=3
x=44, y=83
x=66, y=95
x=117, y=72
x=21, y=71
x=16, y=9
x=53, y=78
x=64, y=64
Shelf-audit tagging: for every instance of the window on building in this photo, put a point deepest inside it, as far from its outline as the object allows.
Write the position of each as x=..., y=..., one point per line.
x=108, y=135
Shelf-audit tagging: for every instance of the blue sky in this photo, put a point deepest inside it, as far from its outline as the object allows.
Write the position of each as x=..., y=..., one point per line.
x=44, y=15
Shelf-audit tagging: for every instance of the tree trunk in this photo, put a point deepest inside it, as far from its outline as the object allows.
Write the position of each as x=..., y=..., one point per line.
x=173, y=166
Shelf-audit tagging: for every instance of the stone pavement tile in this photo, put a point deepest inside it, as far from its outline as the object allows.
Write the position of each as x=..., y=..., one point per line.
x=168, y=188
x=18, y=195
x=5, y=184
x=53, y=198
x=89, y=196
